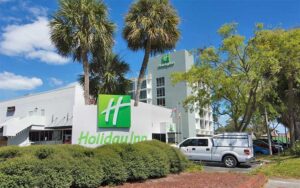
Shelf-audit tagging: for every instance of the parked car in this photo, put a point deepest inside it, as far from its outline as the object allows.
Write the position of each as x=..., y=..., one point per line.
x=278, y=146
x=228, y=148
x=263, y=144
x=260, y=150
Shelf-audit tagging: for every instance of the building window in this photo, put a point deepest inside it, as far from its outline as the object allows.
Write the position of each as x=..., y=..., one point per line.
x=144, y=101
x=161, y=102
x=160, y=92
x=160, y=137
x=144, y=84
x=143, y=94
x=10, y=111
x=160, y=82
x=34, y=136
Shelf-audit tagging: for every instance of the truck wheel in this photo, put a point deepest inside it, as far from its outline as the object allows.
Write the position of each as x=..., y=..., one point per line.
x=230, y=161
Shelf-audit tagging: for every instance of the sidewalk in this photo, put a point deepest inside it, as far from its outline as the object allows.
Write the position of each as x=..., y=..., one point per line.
x=282, y=183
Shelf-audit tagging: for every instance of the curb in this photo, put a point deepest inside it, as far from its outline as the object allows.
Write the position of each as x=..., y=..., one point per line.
x=256, y=181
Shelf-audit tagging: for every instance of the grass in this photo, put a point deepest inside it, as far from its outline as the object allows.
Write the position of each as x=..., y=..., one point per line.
x=285, y=166
x=194, y=167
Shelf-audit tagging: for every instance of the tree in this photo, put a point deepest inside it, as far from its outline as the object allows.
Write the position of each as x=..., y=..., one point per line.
x=107, y=76
x=77, y=27
x=152, y=26
x=235, y=78
x=286, y=44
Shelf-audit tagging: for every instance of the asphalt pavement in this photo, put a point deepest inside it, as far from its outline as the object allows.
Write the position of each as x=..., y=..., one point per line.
x=219, y=167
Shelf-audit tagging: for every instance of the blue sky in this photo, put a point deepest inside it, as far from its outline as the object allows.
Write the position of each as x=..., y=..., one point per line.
x=29, y=63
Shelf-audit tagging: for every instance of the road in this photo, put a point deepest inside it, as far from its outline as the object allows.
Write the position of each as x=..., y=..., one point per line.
x=218, y=167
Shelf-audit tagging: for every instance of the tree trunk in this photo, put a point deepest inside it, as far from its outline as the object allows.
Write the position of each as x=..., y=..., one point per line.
x=142, y=72
x=86, y=86
x=290, y=110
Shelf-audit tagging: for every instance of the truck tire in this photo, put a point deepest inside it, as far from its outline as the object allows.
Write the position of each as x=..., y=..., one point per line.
x=230, y=161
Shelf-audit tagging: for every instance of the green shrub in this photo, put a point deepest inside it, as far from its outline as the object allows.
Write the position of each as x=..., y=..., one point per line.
x=115, y=172
x=44, y=152
x=19, y=171
x=53, y=174
x=177, y=161
x=7, y=181
x=77, y=166
x=135, y=163
x=80, y=152
x=10, y=152
x=156, y=160
x=87, y=173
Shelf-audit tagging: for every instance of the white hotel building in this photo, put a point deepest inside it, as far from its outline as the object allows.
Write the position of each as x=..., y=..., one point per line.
x=157, y=89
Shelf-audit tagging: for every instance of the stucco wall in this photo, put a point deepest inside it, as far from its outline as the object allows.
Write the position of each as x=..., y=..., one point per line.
x=145, y=120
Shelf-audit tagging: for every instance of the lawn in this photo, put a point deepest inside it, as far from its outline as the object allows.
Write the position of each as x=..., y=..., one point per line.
x=281, y=166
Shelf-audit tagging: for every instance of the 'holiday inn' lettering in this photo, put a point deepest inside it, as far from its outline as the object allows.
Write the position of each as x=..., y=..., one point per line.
x=103, y=138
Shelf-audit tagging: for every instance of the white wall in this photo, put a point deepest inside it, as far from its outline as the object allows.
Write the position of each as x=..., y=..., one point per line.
x=57, y=104
x=175, y=94
x=145, y=120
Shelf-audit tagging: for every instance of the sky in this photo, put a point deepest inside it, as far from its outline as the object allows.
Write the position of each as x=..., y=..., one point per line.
x=29, y=62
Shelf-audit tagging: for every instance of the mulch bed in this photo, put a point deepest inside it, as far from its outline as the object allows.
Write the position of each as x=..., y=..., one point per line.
x=202, y=179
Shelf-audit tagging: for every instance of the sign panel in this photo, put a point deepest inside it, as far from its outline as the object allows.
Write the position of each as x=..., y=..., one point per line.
x=165, y=61
x=114, y=111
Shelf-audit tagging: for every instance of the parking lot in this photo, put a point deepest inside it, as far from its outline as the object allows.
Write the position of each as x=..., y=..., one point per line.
x=219, y=167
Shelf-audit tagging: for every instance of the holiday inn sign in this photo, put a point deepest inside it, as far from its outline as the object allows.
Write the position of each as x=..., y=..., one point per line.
x=114, y=111
x=166, y=61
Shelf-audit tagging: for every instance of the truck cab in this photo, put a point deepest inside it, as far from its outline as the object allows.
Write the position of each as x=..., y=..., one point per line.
x=228, y=148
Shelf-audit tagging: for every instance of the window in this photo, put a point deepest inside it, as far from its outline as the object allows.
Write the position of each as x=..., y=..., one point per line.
x=34, y=136
x=195, y=142
x=10, y=111
x=41, y=136
x=144, y=84
x=160, y=82
x=143, y=94
x=202, y=142
x=161, y=102
x=186, y=143
x=160, y=137
x=144, y=101
x=160, y=92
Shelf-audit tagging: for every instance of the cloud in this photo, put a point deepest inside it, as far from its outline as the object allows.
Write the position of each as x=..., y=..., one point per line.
x=32, y=41
x=55, y=82
x=11, y=81
x=38, y=11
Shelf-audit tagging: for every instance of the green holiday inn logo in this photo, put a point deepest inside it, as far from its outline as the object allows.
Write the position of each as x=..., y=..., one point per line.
x=165, y=61
x=114, y=111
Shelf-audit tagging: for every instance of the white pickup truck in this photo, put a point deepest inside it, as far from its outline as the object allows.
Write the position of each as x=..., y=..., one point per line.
x=229, y=148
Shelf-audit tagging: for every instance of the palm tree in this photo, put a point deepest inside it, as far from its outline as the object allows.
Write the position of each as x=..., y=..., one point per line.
x=77, y=27
x=150, y=25
x=107, y=76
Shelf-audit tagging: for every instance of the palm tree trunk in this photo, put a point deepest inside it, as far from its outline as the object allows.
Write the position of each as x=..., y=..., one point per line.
x=142, y=72
x=86, y=88
x=290, y=110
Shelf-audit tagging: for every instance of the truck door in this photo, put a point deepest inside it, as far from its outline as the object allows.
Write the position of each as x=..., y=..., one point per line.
x=184, y=148
x=202, y=150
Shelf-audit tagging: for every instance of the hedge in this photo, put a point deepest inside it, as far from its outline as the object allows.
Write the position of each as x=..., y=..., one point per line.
x=60, y=166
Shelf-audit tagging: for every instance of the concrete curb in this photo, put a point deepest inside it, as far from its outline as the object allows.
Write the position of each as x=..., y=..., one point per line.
x=256, y=181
